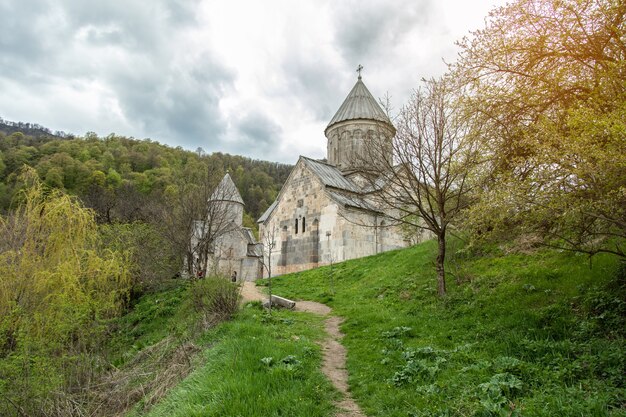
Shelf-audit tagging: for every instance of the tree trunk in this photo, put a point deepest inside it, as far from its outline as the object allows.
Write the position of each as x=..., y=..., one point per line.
x=190, y=265
x=441, y=257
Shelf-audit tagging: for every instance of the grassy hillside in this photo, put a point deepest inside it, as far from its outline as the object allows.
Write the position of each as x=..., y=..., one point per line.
x=532, y=335
x=169, y=361
x=518, y=335
x=255, y=366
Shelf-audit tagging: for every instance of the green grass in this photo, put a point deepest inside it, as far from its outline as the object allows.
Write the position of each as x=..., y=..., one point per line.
x=532, y=335
x=251, y=365
x=155, y=316
x=255, y=365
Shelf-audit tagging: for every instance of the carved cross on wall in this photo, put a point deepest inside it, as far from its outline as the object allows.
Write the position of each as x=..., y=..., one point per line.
x=359, y=69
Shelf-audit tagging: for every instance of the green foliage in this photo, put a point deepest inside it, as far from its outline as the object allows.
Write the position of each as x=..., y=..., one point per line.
x=152, y=259
x=152, y=318
x=550, y=93
x=114, y=162
x=58, y=288
x=215, y=297
x=540, y=334
x=249, y=366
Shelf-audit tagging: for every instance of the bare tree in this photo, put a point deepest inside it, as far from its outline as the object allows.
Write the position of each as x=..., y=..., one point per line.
x=269, y=244
x=195, y=213
x=427, y=182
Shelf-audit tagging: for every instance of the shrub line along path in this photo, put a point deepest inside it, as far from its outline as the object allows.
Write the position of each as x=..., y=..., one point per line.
x=334, y=353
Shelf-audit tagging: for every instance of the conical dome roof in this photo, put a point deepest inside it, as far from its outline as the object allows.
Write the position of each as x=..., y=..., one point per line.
x=226, y=191
x=360, y=104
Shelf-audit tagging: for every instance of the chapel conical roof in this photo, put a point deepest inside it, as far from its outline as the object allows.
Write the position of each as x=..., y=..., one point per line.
x=360, y=104
x=226, y=191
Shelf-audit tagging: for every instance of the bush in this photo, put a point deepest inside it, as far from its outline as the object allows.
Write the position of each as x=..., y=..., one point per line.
x=216, y=298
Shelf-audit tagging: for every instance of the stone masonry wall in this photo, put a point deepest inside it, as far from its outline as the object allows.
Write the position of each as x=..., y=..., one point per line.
x=301, y=202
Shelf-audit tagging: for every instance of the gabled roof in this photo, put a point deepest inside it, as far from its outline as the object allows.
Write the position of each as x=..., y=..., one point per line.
x=226, y=191
x=267, y=212
x=248, y=235
x=339, y=188
x=360, y=104
x=351, y=200
x=330, y=175
x=255, y=250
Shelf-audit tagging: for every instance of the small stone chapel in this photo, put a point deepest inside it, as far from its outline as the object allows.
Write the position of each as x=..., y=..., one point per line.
x=323, y=213
x=234, y=249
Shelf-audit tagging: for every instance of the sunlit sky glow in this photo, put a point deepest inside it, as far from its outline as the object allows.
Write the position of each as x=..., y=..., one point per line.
x=255, y=78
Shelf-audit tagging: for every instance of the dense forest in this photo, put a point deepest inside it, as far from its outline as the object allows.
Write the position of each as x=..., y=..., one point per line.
x=119, y=176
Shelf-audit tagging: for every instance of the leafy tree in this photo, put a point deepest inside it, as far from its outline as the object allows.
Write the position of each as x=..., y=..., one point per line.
x=152, y=258
x=54, y=178
x=144, y=169
x=113, y=179
x=192, y=215
x=547, y=77
x=57, y=287
x=2, y=166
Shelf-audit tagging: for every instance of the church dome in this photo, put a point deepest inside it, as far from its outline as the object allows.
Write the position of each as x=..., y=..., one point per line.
x=359, y=126
x=227, y=191
x=359, y=105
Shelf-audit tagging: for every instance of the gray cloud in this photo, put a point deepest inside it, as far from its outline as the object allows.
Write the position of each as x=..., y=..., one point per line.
x=177, y=101
x=313, y=83
x=158, y=85
x=375, y=26
x=29, y=37
x=169, y=69
x=255, y=130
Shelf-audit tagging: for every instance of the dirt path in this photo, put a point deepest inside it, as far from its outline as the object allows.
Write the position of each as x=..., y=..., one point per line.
x=334, y=354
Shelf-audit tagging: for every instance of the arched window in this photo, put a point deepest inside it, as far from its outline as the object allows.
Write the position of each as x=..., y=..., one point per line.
x=303, y=224
x=296, y=226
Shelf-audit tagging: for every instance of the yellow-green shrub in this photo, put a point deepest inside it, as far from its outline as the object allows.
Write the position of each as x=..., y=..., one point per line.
x=57, y=288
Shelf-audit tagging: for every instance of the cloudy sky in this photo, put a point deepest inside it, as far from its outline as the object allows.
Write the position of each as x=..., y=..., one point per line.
x=249, y=77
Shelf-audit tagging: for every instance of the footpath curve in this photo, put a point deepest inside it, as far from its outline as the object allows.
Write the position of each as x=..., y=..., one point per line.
x=334, y=353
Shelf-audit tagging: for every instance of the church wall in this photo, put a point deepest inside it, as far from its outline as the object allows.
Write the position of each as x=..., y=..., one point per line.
x=302, y=197
x=226, y=212
x=231, y=245
x=248, y=269
x=357, y=233
x=338, y=235
x=230, y=255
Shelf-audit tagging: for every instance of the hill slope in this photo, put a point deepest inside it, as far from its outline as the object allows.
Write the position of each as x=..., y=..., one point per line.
x=124, y=169
x=539, y=334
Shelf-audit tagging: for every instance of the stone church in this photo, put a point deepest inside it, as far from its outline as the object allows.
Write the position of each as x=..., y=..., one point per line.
x=324, y=213
x=233, y=247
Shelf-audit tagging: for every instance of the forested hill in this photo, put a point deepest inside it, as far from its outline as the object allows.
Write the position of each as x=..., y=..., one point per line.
x=119, y=177
x=32, y=129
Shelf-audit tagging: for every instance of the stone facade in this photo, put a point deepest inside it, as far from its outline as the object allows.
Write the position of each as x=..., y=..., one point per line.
x=347, y=142
x=294, y=226
x=312, y=225
x=236, y=251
